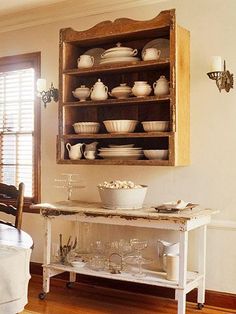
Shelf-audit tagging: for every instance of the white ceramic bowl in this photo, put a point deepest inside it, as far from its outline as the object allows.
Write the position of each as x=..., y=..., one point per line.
x=155, y=126
x=120, y=126
x=156, y=153
x=122, y=198
x=78, y=264
x=86, y=127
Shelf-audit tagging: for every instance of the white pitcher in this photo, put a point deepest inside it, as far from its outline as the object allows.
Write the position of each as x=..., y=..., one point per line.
x=99, y=91
x=161, y=86
x=75, y=151
x=166, y=248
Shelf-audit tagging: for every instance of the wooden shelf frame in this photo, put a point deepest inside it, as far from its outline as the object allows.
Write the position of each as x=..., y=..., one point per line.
x=118, y=135
x=118, y=102
x=173, y=107
x=119, y=67
x=121, y=162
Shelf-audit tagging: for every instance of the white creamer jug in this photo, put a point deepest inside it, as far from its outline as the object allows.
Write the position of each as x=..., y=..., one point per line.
x=141, y=89
x=99, y=91
x=90, y=154
x=151, y=54
x=161, y=86
x=91, y=147
x=75, y=151
x=85, y=61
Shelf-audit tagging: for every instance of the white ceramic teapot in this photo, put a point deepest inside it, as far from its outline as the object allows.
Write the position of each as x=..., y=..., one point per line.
x=99, y=91
x=141, y=89
x=161, y=86
x=166, y=248
x=75, y=151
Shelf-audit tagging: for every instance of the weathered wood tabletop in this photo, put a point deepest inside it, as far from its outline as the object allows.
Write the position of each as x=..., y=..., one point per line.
x=95, y=210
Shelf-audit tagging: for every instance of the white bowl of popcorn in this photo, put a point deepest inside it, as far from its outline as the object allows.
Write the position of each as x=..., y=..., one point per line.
x=122, y=194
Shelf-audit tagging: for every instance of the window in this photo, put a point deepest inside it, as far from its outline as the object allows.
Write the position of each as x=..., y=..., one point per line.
x=20, y=123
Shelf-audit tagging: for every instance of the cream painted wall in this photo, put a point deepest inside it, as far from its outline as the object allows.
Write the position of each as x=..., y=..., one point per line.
x=209, y=180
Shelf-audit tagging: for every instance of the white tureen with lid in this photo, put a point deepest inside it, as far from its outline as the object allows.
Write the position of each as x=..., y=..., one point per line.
x=122, y=91
x=119, y=51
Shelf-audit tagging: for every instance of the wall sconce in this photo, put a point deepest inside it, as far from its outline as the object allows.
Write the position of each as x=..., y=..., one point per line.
x=47, y=95
x=224, y=79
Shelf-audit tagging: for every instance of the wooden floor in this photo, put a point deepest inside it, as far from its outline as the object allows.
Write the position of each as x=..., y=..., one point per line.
x=95, y=300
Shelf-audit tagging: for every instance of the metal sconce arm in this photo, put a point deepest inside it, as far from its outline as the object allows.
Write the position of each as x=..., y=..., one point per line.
x=224, y=79
x=50, y=94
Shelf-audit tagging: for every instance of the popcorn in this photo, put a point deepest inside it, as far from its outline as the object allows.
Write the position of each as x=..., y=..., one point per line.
x=117, y=184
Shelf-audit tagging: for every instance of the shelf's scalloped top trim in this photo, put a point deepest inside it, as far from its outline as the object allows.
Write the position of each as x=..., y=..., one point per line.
x=120, y=25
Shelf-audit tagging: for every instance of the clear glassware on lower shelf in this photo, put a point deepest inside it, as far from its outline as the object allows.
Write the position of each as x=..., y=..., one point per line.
x=137, y=262
x=137, y=259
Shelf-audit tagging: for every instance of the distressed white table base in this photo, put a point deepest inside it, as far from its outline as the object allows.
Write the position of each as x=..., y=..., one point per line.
x=146, y=218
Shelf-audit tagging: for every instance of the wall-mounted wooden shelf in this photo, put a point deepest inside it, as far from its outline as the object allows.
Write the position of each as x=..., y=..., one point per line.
x=173, y=107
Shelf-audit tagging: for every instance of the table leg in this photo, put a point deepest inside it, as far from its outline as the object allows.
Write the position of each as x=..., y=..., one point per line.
x=183, y=258
x=201, y=264
x=47, y=254
x=180, y=295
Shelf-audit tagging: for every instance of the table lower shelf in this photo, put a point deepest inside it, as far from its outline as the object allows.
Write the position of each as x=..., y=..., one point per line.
x=154, y=278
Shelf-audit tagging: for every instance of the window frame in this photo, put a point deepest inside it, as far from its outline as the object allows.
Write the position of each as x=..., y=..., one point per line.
x=20, y=61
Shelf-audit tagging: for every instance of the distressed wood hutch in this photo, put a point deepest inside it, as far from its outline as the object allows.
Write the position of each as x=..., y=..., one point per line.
x=173, y=107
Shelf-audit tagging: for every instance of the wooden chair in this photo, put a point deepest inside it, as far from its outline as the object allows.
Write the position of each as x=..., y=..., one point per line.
x=13, y=196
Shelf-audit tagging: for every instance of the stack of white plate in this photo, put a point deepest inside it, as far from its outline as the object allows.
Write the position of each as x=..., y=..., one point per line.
x=119, y=54
x=120, y=152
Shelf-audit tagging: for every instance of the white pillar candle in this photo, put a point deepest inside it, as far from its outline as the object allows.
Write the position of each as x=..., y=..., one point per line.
x=216, y=63
x=41, y=85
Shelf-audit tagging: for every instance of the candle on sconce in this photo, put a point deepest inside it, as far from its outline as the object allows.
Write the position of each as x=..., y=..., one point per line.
x=41, y=85
x=216, y=63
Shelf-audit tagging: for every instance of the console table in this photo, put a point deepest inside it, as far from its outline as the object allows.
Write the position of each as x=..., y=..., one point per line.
x=182, y=222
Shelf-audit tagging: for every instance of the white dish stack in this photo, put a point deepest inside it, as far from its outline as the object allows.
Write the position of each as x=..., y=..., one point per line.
x=121, y=152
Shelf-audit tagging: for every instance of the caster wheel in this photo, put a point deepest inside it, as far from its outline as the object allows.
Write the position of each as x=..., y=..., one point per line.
x=200, y=306
x=69, y=285
x=42, y=295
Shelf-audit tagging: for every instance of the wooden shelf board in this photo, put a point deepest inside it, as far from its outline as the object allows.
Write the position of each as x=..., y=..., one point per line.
x=119, y=135
x=117, y=67
x=118, y=102
x=140, y=162
x=155, y=278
